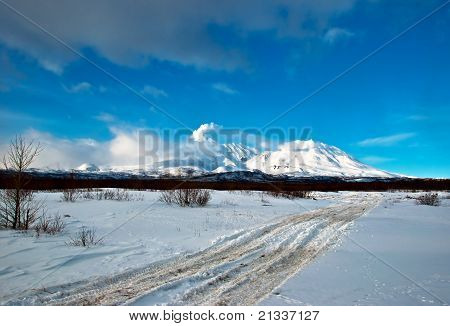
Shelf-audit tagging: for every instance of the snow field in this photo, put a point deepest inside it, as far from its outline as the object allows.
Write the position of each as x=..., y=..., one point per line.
x=135, y=234
x=412, y=243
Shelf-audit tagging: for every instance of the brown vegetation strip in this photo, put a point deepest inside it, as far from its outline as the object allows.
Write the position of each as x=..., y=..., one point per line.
x=332, y=184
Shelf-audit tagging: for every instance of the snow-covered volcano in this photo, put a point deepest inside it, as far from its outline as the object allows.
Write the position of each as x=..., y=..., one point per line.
x=207, y=156
x=297, y=158
x=310, y=158
x=89, y=167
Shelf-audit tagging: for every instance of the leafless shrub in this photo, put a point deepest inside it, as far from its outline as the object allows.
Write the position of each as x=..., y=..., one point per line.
x=42, y=226
x=167, y=197
x=431, y=199
x=118, y=194
x=85, y=237
x=18, y=207
x=70, y=195
x=89, y=195
x=202, y=197
x=49, y=224
x=111, y=194
x=289, y=194
x=186, y=197
x=57, y=225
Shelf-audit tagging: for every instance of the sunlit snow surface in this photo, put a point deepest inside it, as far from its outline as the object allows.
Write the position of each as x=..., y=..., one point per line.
x=408, y=263
x=136, y=234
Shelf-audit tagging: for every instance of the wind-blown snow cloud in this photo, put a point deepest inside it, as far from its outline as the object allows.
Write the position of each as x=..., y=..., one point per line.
x=169, y=30
x=386, y=140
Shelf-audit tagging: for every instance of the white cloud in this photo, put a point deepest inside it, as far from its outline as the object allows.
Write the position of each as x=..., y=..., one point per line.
x=200, y=134
x=53, y=67
x=124, y=147
x=386, y=140
x=64, y=153
x=153, y=91
x=121, y=150
x=60, y=153
x=336, y=34
x=224, y=88
x=78, y=88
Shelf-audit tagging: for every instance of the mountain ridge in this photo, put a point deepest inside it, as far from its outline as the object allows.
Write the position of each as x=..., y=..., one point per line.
x=300, y=158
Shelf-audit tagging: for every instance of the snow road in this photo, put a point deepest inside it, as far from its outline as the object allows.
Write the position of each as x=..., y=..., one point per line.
x=241, y=269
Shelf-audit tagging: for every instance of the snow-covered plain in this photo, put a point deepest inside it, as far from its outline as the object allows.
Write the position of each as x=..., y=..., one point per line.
x=135, y=233
x=396, y=254
x=399, y=254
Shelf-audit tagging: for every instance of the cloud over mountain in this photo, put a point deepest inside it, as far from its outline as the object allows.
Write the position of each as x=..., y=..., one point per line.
x=127, y=150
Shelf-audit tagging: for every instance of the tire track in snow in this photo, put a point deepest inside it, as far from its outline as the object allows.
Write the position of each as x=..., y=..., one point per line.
x=238, y=270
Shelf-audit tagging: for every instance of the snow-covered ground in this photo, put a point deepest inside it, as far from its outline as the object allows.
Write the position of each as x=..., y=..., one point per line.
x=408, y=263
x=136, y=233
x=243, y=247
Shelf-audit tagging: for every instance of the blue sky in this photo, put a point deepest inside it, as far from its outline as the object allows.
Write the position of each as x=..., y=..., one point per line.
x=239, y=65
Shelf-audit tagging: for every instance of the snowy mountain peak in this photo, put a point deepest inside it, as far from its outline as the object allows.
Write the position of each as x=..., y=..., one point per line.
x=239, y=152
x=310, y=158
x=299, y=158
x=88, y=167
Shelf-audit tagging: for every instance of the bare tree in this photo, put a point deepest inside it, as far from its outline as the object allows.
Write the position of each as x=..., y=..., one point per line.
x=19, y=209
